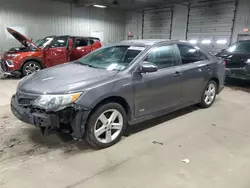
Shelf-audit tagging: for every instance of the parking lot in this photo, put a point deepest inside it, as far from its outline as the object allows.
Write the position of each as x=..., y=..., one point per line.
x=189, y=148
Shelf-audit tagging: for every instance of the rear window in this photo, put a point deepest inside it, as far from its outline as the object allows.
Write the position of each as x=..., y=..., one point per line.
x=239, y=47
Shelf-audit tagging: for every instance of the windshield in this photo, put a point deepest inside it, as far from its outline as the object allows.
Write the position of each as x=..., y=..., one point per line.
x=239, y=47
x=111, y=58
x=42, y=43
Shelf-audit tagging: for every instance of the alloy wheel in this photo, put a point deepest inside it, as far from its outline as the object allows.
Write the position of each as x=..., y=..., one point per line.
x=31, y=68
x=108, y=126
x=210, y=93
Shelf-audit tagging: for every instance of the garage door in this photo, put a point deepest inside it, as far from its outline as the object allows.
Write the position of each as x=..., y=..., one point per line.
x=157, y=23
x=210, y=24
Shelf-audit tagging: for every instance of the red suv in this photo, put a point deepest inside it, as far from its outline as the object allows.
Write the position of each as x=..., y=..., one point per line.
x=47, y=52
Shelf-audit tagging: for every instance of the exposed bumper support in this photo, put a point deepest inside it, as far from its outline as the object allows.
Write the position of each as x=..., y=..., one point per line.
x=51, y=121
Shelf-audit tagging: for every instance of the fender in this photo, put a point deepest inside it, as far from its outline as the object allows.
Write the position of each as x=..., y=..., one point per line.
x=102, y=98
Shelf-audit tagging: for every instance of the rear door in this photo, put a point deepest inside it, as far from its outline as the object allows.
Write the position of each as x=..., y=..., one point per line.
x=196, y=70
x=57, y=53
x=158, y=90
x=81, y=48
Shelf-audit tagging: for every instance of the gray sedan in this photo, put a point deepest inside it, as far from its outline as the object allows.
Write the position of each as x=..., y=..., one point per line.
x=97, y=96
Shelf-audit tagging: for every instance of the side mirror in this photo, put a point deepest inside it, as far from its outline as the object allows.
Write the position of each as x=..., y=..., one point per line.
x=148, y=67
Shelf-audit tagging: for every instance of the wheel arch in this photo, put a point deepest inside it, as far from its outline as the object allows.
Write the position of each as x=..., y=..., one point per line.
x=116, y=99
x=217, y=81
x=38, y=60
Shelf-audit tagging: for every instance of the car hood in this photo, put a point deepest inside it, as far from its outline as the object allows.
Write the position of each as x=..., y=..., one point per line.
x=65, y=78
x=21, y=38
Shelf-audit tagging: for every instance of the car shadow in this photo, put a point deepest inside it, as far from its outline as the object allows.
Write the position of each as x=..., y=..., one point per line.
x=156, y=121
x=59, y=140
x=242, y=85
x=11, y=78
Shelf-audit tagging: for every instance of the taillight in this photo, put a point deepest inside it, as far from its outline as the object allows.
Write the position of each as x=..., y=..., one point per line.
x=225, y=62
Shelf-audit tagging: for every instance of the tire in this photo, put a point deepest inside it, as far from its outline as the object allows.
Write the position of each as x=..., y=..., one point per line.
x=30, y=67
x=105, y=127
x=210, y=91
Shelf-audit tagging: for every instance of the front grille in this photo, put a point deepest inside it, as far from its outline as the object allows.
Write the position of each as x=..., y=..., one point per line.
x=25, y=101
x=4, y=66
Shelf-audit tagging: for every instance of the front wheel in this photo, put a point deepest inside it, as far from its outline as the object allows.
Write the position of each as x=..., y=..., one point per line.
x=31, y=67
x=209, y=94
x=106, y=125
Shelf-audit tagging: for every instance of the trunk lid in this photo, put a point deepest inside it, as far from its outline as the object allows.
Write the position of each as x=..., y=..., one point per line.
x=22, y=39
x=234, y=60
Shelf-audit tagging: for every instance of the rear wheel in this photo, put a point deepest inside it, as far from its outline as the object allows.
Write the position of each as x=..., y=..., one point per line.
x=31, y=67
x=209, y=94
x=106, y=125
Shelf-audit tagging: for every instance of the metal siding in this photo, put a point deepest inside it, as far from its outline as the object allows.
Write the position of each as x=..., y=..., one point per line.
x=134, y=24
x=157, y=23
x=41, y=18
x=213, y=21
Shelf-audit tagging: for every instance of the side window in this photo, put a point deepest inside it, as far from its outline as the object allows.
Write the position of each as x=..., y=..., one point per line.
x=243, y=47
x=59, y=42
x=163, y=56
x=81, y=42
x=92, y=41
x=189, y=54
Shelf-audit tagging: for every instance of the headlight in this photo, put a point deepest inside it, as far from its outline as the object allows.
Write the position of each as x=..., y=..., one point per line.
x=56, y=102
x=13, y=55
x=9, y=63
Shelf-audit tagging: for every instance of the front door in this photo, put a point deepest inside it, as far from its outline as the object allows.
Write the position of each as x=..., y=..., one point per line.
x=196, y=70
x=57, y=53
x=158, y=90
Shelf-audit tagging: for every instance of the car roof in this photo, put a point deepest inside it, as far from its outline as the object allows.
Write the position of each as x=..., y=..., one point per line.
x=85, y=37
x=149, y=42
x=79, y=37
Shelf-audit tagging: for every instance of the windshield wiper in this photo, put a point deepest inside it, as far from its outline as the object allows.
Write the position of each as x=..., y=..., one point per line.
x=85, y=64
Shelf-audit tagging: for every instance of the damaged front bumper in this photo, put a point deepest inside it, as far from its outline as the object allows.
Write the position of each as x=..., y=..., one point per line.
x=71, y=120
x=4, y=70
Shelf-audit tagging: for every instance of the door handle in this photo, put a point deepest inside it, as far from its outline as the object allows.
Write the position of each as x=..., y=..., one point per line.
x=177, y=74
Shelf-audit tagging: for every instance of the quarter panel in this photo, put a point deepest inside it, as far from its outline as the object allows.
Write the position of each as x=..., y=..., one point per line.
x=195, y=76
